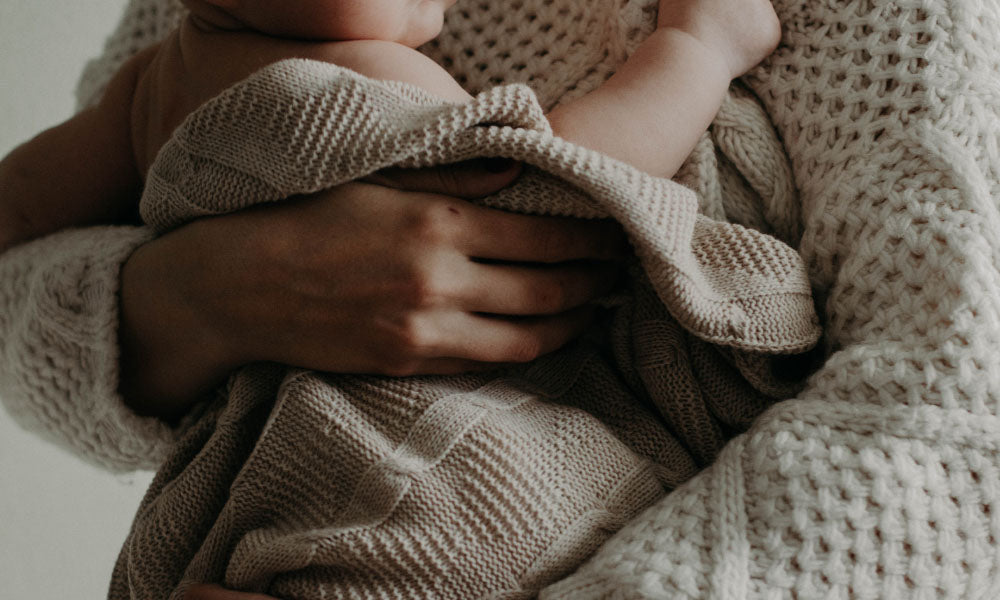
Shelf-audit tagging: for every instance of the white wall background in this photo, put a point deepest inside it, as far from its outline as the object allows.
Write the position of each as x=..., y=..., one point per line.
x=62, y=521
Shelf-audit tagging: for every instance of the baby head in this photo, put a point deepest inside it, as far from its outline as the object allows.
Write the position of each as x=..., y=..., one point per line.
x=409, y=22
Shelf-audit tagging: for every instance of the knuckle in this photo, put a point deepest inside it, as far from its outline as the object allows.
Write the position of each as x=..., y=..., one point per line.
x=410, y=339
x=421, y=287
x=431, y=223
x=550, y=296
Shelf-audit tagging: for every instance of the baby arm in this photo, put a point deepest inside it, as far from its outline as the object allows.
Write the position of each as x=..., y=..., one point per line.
x=651, y=113
x=81, y=172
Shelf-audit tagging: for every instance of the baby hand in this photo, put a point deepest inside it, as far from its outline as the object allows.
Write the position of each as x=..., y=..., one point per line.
x=743, y=32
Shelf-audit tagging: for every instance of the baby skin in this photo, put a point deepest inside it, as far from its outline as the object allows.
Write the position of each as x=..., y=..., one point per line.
x=90, y=169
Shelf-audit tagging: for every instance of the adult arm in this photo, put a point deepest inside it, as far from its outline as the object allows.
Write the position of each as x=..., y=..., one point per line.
x=880, y=479
x=400, y=291
x=360, y=278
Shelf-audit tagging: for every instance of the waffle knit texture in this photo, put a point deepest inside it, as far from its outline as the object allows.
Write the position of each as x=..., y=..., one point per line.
x=878, y=480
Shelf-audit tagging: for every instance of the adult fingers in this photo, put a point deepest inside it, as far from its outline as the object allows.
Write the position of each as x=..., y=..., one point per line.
x=511, y=339
x=493, y=234
x=503, y=236
x=517, y=289
x=469, y=179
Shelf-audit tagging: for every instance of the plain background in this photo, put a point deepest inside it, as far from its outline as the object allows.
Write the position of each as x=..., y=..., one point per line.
x=62, y=521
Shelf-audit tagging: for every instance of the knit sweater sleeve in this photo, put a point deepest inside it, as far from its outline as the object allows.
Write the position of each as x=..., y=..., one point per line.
x=59, y=347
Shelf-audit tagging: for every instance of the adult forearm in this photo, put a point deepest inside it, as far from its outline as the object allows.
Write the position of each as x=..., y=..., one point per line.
x=171, y=354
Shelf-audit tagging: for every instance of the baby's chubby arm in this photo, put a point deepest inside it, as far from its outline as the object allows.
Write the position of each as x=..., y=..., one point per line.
x=81, y=172
x=651, y=113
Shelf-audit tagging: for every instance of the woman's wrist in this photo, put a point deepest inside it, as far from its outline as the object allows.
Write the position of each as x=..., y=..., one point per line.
x=170, y=355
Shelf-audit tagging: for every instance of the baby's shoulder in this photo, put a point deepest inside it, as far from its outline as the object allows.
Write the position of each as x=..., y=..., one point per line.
x=388, y=61
x=207, y=62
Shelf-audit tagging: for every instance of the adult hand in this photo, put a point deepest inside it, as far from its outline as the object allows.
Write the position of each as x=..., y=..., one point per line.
x=361, y=278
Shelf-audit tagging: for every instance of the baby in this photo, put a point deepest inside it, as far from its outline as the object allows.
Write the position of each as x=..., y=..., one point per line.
x=90, y=169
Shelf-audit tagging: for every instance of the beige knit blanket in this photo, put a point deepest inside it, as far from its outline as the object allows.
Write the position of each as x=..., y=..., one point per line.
x=453, y=487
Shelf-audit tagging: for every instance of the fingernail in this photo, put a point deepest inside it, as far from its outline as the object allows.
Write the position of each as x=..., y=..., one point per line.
x=498, y=164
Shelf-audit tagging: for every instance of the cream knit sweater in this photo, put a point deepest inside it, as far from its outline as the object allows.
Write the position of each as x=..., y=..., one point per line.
x=879, y=479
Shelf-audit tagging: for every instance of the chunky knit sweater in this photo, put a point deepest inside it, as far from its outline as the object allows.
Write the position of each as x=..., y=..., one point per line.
x=879, y=479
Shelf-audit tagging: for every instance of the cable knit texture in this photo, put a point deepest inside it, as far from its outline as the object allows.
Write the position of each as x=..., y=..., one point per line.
x=59, y=312
x=878, y=481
